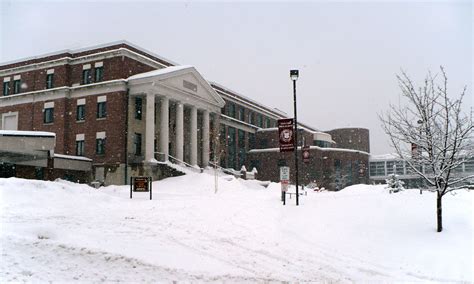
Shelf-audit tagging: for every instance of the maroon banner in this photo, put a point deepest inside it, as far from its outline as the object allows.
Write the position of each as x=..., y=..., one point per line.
x=285, y=133
x=305, y=154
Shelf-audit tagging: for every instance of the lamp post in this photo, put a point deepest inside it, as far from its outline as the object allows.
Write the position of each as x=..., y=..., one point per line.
x=294, y=76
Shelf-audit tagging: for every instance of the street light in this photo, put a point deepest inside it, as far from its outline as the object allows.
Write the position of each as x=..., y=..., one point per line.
x=294, y=76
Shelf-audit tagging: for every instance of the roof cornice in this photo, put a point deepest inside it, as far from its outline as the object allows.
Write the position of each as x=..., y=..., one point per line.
x=121, y=51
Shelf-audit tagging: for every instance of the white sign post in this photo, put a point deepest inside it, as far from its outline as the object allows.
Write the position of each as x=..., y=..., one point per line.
x=284, y=180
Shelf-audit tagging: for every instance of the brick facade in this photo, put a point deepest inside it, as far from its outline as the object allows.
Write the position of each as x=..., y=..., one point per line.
x=332, y=168
x=351, y=138
x=120, y=61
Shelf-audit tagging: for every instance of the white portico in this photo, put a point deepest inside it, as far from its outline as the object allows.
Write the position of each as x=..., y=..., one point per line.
x=177, y=104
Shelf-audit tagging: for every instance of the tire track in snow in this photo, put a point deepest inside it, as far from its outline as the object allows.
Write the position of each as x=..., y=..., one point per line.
x=32, y=261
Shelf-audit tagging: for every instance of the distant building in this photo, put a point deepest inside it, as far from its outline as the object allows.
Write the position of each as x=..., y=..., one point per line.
x=381, y=166
x=129, y=110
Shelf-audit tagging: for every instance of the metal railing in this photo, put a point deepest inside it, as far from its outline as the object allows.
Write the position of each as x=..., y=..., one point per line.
x=160, y=156
x=226, y=171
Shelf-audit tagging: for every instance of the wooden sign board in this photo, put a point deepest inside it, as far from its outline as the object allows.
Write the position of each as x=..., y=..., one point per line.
x=141, y=184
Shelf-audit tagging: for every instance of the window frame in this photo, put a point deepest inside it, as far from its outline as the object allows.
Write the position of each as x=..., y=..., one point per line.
x=137, y=144
x=80, y=148
x=86, y=76
x=99, y=76
x=100, y=146
x=16, y=86
x=6, y=88
x=102, y=111
x=83, y=112
x=241, y=114
x=138, y=108
x=48, y=115
x=50, y=81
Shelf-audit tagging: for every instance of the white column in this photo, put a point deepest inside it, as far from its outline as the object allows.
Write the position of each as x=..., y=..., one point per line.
x=205, y=138
x=164, y=127
x=193, y=142
x=150, y=128
x=179, y=131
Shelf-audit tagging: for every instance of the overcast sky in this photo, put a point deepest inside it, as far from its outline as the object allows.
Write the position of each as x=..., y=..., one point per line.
x=348, y=53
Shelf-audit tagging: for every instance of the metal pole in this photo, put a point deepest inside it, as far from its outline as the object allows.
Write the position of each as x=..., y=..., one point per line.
x=296, y=143
x=131, y=182
x=151, y=186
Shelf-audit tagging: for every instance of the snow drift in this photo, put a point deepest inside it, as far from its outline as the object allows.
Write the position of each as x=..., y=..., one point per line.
x=66, y=232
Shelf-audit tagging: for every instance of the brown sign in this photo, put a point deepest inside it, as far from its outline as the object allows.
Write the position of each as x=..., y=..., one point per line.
x=305, y=154
x=285, y=133
x=140, y=184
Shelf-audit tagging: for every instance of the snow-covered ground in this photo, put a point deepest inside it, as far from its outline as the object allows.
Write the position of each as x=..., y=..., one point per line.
x=66, y=232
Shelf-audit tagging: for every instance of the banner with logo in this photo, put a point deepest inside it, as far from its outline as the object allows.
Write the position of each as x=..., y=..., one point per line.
x=285, y=133
x=305, y=154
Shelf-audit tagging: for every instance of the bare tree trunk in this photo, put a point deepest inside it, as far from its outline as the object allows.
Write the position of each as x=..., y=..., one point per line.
x=439, y=212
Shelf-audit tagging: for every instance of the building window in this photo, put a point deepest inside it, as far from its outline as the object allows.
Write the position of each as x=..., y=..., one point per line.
x=48, y=115
x=137, y=144
x=6, y=88
x=79, y=147
x=231, y=148
x=469, y=165
x=395, y=167
x=259, y=120
x=251, y=120
x=99, y=74
x=100, y=146
x=222, y=139
x=138, y=108
x=241, y=142
x=321, y=143
x=86, y=76
x=16, y=86
x=50, y=81
x=267, y=123
x=81, y=113
x=101, y=110
x=231, y=109
x=241, y=114
x=377, y=168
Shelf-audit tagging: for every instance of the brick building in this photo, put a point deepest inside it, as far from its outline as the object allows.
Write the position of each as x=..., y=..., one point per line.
x=129, y=110
x=329, y=165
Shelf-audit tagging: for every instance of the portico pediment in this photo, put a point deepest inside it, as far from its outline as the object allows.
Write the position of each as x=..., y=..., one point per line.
x=182, y=83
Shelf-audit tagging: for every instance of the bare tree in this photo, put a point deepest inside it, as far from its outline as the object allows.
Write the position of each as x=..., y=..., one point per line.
x=431, y=134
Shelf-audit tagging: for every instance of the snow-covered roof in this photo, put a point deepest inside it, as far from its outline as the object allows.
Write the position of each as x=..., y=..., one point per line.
x=69, y=157
x=383, y=157
x=236, y=95
x=27, y=133
x=159, y=72
x=79, y=50
x=267, y=129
